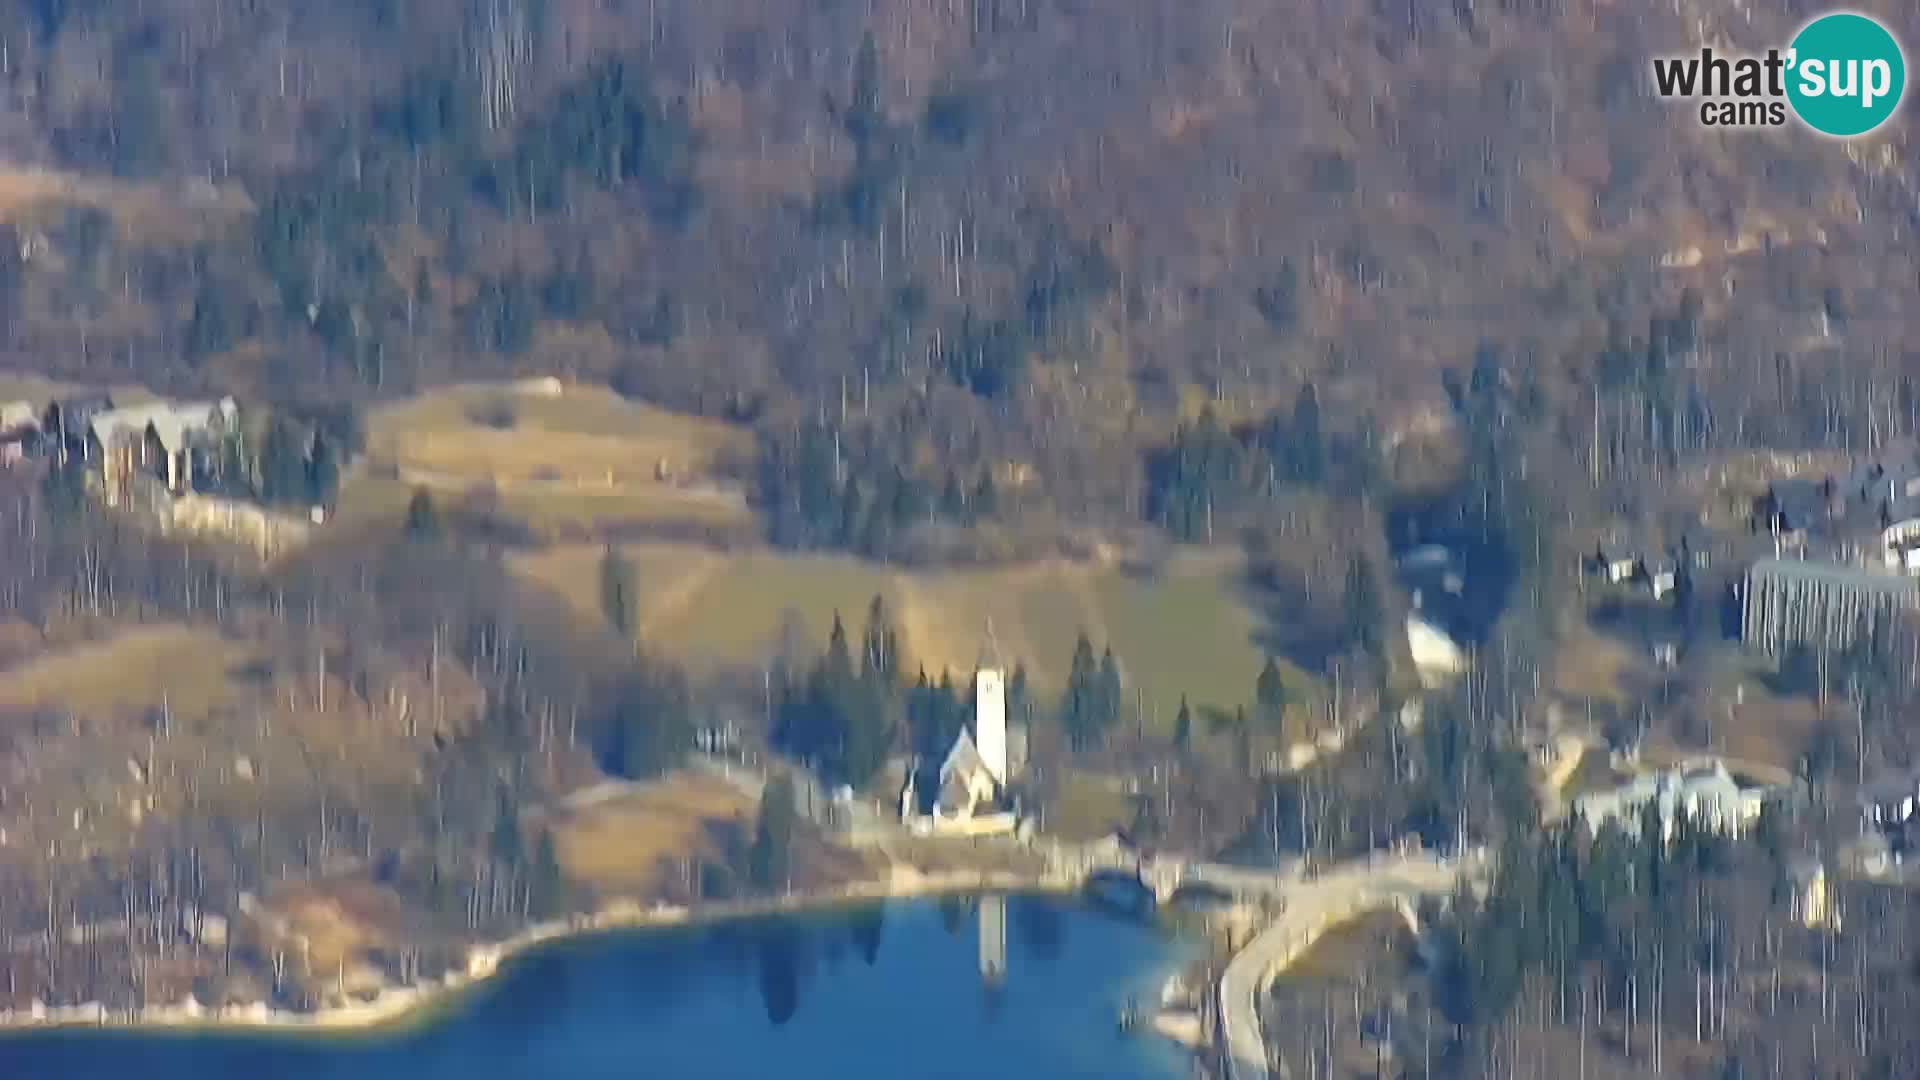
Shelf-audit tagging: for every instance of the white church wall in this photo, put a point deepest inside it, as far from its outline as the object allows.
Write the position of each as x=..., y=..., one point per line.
x=990, y=721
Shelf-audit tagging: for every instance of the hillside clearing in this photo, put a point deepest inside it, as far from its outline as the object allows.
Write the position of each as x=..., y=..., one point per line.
x=624, y=844
x=555, y=456
x=184, y=667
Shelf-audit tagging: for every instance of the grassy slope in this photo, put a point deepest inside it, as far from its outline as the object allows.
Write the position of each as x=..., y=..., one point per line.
x=624, y=845
x=584, y=458
x=1187, y=632
x=139, y=668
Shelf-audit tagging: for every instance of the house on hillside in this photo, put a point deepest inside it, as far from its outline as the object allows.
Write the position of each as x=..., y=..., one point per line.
x=1617, y=565
x=1792, y=508
x=1888, y=805
x=167, y=441
x=19, y=427
x=18, y=415
x=1900, y=533
x=13, y=448
x=1702, y=792
x=1663, y=576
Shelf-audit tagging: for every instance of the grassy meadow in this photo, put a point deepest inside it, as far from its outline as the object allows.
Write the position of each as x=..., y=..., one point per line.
x=188, y=668
x=573, y=461
x=627, y=844
x=1184, y=632
x=559, y=458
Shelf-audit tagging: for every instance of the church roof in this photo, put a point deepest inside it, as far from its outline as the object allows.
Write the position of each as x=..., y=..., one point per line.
x=962, y=759
x=172, y=424
x=962, y=770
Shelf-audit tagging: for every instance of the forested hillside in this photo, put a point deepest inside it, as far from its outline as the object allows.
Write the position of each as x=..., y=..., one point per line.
x=987, y=251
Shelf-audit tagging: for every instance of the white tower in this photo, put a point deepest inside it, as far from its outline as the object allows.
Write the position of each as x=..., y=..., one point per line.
x=990, y=721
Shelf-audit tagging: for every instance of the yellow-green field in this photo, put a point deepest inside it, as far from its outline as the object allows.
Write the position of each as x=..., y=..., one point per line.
x=1186, y=632
x=185, y=667
x=624, y=844
x=557, y=457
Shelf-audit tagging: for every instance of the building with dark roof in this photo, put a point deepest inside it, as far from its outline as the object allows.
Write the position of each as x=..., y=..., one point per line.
x=1792, y=508
x=1788, y=602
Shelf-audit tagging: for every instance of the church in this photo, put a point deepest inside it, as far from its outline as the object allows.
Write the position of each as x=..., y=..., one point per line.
x=969, y=795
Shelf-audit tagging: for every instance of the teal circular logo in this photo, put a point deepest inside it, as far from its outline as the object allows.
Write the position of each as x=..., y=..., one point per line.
x=1846, y=75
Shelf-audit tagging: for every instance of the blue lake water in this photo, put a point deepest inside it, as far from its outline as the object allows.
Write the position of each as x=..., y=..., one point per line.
x=893, y=991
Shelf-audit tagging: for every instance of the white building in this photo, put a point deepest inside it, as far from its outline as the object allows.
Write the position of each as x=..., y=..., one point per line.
x=969, y=793
x=18, y=416
x=1890, y=803
x=1663, y=577
x=1436, y=656
x=990, y=722
x=167, y=439
x=1704, y=793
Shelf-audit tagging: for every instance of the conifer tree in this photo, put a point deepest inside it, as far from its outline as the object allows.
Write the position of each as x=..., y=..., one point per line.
x=618, y=593
x=505, y=843
x=1362, y=607
x=953, y=502
x=1109, y=692
x=283, y=467
x=236, y=478
x=881, y=647
x=547, y=886
x=952, y=711
x=1270, y=696
x=1079, y=707
x=323, y=472
x=923, y=735
x=1307, y=452
x=838, y=661
x=986, y=498
x=863, y=117
x=423, y=521
x=770, y=859
x=850, y=717
x=870, y=729
x=1019, y=699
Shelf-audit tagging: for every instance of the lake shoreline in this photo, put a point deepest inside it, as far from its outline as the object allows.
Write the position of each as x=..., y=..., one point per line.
x=393, y=1004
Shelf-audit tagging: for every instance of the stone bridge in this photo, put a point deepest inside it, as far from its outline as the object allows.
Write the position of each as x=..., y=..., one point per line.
x=1167, y=874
